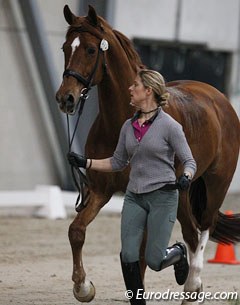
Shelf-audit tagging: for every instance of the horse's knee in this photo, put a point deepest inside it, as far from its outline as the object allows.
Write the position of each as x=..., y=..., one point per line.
x=76, y=234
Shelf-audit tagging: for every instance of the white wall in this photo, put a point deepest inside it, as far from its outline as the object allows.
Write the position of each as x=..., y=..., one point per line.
x=26, y=153
x=146, y=18
x=56, y=27
x=214, y=22
x=211, y=22
x=25, y=158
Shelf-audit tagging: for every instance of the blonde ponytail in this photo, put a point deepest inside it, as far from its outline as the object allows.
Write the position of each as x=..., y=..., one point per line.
x=155, y=80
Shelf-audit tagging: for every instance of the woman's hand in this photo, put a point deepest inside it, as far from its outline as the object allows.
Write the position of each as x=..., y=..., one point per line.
x=184, y=182
x=77, y=160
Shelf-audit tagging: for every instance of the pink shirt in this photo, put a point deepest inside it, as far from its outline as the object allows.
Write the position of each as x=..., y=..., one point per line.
x=139, y=131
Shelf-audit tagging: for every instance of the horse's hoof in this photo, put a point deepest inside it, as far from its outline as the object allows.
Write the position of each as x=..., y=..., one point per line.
x=85, y=292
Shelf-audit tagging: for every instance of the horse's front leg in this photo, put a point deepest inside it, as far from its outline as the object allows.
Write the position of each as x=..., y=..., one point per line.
x=83, y=289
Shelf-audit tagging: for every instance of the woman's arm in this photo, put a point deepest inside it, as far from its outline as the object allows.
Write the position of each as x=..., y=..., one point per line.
x=180, y=145
x=117, y=162
x=102, y=165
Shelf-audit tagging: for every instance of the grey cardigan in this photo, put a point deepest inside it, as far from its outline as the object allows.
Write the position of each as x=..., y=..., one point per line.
x=152, y=159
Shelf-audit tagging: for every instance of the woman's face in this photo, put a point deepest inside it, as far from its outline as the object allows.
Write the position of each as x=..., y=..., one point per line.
x=138, y=92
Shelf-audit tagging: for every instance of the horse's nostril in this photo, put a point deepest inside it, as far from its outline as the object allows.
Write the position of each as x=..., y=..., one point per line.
x=69, y=99
x=69, y=102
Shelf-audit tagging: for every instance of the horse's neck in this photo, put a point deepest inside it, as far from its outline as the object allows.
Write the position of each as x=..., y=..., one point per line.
x=114, y=98
x=113, y=91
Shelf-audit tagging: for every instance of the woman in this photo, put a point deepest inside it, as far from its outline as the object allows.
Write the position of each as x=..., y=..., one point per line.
x=149, y=142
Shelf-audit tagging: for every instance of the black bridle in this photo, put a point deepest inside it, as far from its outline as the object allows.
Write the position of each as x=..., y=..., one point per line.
x=87, y=82
x=79, y=178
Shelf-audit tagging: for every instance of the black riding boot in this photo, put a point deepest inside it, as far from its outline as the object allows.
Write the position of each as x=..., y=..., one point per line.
x=133, y=281
x=177, y=256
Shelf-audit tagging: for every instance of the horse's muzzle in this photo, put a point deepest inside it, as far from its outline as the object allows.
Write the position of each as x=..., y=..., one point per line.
x=66, y=103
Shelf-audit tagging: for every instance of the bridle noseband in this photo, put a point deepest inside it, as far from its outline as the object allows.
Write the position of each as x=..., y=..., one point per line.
x=79, y=178
x=78, y=76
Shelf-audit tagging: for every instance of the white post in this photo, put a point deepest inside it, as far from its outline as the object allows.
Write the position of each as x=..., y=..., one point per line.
x=54, y=206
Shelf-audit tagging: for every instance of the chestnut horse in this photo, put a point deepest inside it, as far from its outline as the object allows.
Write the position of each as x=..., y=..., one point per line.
x=95, y=54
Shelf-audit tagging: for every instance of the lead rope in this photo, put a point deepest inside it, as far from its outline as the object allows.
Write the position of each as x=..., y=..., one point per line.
x=79, y=178
x=77, y=175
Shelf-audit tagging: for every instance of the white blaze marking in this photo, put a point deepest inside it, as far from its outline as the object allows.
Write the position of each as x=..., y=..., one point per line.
x=74, y=45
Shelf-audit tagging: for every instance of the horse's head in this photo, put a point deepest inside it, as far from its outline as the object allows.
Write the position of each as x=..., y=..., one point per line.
x=84, y=51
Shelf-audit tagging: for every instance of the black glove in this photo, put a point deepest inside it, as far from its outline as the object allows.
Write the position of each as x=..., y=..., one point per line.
x=184, y=182
x=77, y=160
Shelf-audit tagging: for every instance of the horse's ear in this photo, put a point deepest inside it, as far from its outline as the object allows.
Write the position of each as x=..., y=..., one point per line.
x=92, y=16
x=69, y=16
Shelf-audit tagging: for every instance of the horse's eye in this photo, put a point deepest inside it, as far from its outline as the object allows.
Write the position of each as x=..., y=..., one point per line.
x=91, y=50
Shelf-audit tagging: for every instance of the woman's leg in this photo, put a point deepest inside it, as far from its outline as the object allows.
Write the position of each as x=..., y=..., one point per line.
x=161, y=218
x=133, y=223
x=132, y=228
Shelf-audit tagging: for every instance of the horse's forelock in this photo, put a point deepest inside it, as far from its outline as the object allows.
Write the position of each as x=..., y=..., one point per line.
x=82, y=28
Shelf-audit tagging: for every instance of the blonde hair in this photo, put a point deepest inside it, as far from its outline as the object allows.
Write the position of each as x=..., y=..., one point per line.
x=155, y=80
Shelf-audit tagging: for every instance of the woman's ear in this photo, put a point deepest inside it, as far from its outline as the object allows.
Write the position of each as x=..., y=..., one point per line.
x=149, y=90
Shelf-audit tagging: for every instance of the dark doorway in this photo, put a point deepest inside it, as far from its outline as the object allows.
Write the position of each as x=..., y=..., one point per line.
x=185, y=61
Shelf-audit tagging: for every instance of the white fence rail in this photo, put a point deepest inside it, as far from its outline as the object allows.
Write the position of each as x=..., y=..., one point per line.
x=50, y=201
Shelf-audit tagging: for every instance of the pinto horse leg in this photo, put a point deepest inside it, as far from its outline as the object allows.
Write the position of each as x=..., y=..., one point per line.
x=83, y=289
x=215, y=189
x=194, y=282
x=191, y=237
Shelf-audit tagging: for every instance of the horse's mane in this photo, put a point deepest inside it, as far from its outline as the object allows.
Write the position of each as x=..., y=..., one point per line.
x=128, y=47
